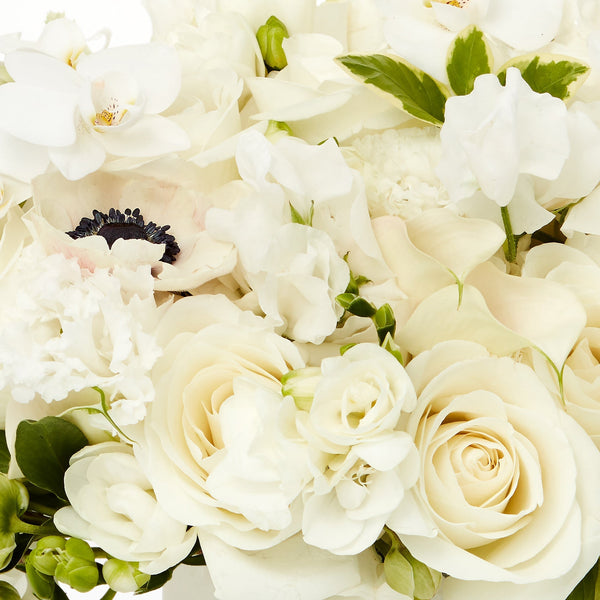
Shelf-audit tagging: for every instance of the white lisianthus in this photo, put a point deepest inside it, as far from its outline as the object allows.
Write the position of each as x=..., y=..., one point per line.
x=495, y=136
x=367, y=463
x=108, y=103
x=113, y=504
x=65, y=329
x=219, y=445
x=506, y=502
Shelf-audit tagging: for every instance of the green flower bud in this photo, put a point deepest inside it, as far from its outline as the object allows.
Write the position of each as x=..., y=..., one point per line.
x=77, y=566
x=406, y=575
x=47, y=554
x=277, y=129
x=122, y=576
x=8, y=592
x=14, y=500
x=270, y=38
x=42, y=585
x=301, y=385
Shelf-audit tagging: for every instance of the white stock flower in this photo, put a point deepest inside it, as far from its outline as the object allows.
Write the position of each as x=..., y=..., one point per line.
x=495, y=136
x=367, y=463
x=219, y=445
x=113, y=505
x=506, y=502
x=65, y=329
x=108, y=103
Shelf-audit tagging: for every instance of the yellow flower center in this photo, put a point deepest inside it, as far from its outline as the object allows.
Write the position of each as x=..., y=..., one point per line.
x=112, y=115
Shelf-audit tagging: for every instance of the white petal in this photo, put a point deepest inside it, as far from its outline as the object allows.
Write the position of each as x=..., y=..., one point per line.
x=150, y=136
x=85, y=156
x=47, y=118
x=156, y=69
x=21, y=160
x=41, y=70
x=292, y=569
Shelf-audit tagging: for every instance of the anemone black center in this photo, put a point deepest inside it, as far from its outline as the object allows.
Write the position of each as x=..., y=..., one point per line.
x=121, y=231
x=127, y=225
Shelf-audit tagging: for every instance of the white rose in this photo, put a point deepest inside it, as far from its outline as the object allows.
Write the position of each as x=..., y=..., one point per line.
x=368, y=463
x=113, y=505
x=219, y=445
x=507, y=501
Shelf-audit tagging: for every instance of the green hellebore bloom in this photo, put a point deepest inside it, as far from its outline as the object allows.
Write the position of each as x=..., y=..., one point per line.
x=270, y=38
x=47, y=554
x=123, y=576
x=77, y=566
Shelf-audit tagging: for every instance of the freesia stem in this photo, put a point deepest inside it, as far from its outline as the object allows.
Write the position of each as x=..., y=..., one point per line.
x=18, y=526
x=110, y=594
x=510, y=251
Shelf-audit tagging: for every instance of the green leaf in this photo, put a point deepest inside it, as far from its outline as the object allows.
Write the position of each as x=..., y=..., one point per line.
x=549, y=73
x=43, y=449
x=587, y=588
x=4, y=453
x=356, y=305
x=468, y=57
x=419, y=94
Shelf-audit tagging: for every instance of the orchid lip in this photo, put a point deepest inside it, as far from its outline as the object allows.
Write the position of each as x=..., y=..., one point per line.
x=127, y=225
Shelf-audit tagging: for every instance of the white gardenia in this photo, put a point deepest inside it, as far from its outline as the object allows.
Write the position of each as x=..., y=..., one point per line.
x=219, y=445
x=108, y=103
x=507, y=497
x=367, y=463
x=113, y=504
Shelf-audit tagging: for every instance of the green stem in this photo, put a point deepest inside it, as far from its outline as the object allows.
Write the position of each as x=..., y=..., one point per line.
x=18, y=526
x=510, y=251
x=42, y=508
x=110, y=594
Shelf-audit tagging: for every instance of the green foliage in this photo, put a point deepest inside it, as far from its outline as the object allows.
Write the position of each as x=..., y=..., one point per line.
x=385, y=322
x=548, y=73
x=419, y=94
x=588, y=588
x=4, y=453
x=355, y=305
x=468, y=57
x=43, y=449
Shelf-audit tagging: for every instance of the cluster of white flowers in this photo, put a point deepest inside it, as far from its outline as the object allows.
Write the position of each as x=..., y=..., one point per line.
x=320, y=287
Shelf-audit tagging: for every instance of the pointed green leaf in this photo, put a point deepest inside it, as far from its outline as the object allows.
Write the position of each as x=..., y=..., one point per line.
x=385, y=322
x=468, y=57
x=587, y=588
x=43, y=449
x=549, y=73
x=419, y=94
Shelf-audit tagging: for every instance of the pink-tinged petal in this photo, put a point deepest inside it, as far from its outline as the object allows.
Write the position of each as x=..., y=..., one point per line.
x=85, y=156
x=155, y=68
x=21, y=160
x=41, y=70
x=150, y=136
x=45, y=119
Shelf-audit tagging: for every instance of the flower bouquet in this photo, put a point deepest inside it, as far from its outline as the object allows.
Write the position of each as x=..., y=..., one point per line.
x=309, y=295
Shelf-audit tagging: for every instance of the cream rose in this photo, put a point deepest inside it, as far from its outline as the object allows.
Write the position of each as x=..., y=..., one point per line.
x=509, y=483
x=113, y=504
x=219, y=445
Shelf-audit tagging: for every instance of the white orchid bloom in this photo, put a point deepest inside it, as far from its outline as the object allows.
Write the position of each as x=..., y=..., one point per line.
x=108, y=104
